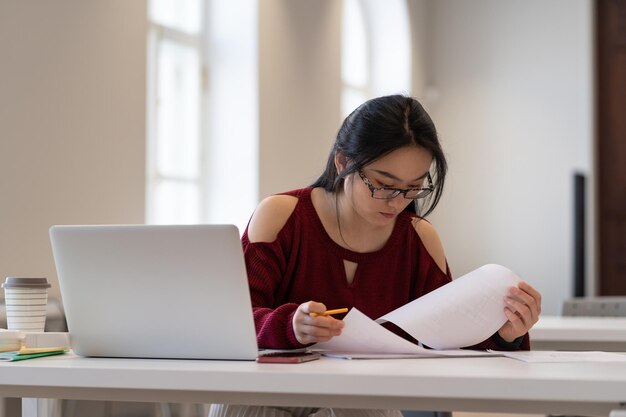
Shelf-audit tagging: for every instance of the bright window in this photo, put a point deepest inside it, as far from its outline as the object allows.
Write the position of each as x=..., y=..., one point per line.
x=376, y=50
x=202, y=112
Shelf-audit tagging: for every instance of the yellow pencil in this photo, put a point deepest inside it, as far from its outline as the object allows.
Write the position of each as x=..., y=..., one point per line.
x=330, y=312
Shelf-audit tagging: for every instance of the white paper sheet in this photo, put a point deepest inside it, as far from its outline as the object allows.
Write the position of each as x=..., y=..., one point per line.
x=553, y=356
x=462, y=313
x=457, y=353
x=363, y=335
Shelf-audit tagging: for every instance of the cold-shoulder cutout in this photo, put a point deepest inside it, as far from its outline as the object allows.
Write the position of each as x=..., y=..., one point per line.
x=430, y=238
x=270, y=216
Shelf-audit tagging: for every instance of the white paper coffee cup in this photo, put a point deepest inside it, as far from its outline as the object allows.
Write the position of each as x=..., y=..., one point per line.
x=25, y=300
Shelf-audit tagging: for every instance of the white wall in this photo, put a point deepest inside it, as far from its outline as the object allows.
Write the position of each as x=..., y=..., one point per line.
x=514, y=112
x=421, y=46
x=300, y=87
x=72, y=123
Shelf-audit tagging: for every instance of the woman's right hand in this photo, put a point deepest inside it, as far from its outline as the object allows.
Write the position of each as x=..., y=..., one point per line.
x=309, y=329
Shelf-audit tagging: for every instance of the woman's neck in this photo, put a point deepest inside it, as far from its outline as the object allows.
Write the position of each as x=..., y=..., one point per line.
x=355, y=232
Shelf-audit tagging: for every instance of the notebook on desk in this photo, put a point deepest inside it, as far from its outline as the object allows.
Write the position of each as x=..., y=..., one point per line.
x=155, y=291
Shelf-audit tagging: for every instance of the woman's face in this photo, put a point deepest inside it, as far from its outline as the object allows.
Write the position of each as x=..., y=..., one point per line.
x=403, y=168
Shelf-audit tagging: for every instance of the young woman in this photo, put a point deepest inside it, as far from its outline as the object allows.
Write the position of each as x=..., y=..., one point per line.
x=357, y=238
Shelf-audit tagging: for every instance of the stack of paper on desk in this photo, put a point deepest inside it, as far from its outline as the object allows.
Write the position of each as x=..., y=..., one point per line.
x=16, y=345
x=10, y=340
x=34, y=342
x=462, y=313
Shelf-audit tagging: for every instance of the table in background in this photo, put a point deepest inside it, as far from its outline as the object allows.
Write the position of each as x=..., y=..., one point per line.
x=493, y=384
x=579, y=333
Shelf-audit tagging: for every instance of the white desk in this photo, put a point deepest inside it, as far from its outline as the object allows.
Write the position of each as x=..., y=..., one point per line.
x=494, y=384
x=579, y=333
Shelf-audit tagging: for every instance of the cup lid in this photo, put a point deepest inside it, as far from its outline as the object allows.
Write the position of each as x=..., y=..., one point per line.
x=20, y=282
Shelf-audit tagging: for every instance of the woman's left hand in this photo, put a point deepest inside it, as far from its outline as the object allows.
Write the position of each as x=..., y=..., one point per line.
x=523, y=306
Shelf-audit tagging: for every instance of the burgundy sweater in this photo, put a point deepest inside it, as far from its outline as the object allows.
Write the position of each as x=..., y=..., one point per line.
x=303, y=263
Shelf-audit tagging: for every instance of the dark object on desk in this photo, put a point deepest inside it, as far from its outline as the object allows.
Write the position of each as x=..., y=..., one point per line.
x=410, y=413
x=595, y=307
x=579, y=235
x=288, y=357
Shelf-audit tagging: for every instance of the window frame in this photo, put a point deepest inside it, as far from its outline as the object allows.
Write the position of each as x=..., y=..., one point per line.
x=158, y=33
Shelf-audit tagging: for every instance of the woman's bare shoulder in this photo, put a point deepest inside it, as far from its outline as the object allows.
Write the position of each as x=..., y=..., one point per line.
x=431, y=240
x=270, y=216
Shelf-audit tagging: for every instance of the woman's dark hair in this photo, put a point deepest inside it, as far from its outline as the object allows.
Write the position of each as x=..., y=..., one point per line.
x=378, y=127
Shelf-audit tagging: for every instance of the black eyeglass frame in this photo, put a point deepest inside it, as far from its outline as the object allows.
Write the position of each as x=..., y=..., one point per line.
x=424, y=191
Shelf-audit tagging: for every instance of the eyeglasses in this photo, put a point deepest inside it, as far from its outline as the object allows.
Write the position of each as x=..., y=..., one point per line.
x=387, y=193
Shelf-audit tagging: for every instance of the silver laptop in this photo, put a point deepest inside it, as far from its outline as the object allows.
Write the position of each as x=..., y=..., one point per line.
x=155, y=291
